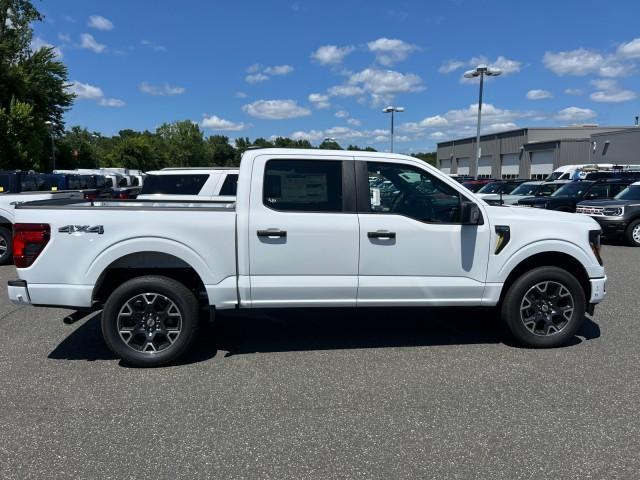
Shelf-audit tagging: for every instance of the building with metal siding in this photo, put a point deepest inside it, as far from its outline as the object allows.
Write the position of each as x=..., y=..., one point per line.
x=525, y=152
x=621, y=147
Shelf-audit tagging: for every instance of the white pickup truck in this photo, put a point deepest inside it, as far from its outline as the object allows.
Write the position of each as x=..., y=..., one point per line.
x=309, y=228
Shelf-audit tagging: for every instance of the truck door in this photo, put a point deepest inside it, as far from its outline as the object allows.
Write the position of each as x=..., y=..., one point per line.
x=303, y=231
x=413, y=248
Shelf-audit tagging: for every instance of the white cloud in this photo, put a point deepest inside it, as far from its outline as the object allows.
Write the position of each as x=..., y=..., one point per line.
x=278, y=70
x=153, y=46
x=86, y=91
x=630, y=49
x=253, y=68
x=609, y=91
x=345, y=91
x=341, y=114
x=64, y=37
x=240, y=95
x=319, y=100
x=160, y=90
x=256, y=78
x=276, y=109
x=354, y=122
x=506, y=65
x=451, y=66
x=111, y=102
x=438, y=135
x=331, y=54
x=87, y=41
x=573, y=91
x=575, y=114
x=216, y=123
x=390, y=50
x=580, y=62
x=537, y=94
x=342, y=133
x=498, y=127
x=100, y=23
x=311, y=136
x=37, y=43
x=383, y=85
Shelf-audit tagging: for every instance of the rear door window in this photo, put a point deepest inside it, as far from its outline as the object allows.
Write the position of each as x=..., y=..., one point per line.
x=303, y=185
x=230, y=185
x=178, y=184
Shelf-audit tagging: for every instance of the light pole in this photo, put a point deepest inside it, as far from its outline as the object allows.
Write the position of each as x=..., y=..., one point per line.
x=392, y=111
x=53, y=145
x=480, y=71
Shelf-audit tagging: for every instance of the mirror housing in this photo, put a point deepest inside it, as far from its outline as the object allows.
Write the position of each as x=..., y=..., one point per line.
x=470, y=214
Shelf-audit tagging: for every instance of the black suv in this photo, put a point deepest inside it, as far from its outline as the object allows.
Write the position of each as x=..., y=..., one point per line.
x=619, y=217
x=502, y=186
x=566, y=198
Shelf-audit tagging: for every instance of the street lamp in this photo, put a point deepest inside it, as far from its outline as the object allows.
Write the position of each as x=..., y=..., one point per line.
x=480, y=71
x=49, y=124
x=392, y=110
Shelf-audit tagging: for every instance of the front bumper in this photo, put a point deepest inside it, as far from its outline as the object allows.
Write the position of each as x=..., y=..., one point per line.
x=18, y=293
x=598, y=289
x=611, y=226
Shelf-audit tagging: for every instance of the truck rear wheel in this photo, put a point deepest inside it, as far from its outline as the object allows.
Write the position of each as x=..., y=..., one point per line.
x=633, y=233
x=150, y=321
x=6, y=246
x=544, y=307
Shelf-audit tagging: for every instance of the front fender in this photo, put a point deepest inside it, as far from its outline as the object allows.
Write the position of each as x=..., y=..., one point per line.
x=586, y=259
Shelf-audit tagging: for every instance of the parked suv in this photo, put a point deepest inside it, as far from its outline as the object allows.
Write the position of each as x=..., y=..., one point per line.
x=190, y=184
x=537, y=188
x=618, y=217
x=500, y=186
x=566, y=198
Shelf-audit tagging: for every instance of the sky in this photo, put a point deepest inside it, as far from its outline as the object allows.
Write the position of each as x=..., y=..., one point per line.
x=326, y=69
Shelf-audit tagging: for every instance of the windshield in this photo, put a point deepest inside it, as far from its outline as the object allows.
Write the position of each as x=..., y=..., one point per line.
x=554, y=176
x=494, y=187
x=526, y=189
x=572, y=190
x=632, y=192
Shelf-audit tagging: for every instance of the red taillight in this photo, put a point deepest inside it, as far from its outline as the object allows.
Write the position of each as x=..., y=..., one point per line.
x=122, y=195
x=90, y=196
x=29, y=239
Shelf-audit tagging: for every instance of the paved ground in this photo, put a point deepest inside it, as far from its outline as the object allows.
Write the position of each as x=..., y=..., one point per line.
x=375, y=394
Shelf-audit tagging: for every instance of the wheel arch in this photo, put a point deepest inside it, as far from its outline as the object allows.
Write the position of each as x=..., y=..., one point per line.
x=147, y=262
x=558, y=259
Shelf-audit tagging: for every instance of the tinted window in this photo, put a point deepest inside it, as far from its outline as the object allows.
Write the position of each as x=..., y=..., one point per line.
x=230, y=185
x=101, y=182
x=174, y=184
x=572, y=190
x=412, y=192
x=598, y=191
x=526, y=189
x=303, y=185
x=28, y=183
x=74, y=182
x=547, y=189
x=632, y=192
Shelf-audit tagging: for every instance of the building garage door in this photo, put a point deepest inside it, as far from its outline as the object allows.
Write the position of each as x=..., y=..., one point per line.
x=541, y=164
x=510, y=165
x=463, y=166
x=484, y=166
x=445, y=166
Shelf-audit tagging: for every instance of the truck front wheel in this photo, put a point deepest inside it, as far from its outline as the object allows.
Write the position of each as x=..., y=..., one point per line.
x=150, y=321
x=544, y=307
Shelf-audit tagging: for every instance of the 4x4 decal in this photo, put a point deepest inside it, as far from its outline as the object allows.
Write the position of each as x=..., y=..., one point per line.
x=82, y=229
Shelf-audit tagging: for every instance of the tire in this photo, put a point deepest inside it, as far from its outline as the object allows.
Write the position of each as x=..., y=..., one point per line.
x=6, y=246
x=632, y=233
x=542, y=316
x=150, y=321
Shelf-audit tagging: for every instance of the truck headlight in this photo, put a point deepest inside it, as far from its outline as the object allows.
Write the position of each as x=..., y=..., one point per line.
x=613, y=211
x=594, y=242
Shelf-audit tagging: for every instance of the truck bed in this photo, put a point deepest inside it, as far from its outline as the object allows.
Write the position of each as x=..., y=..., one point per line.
x=90, y=237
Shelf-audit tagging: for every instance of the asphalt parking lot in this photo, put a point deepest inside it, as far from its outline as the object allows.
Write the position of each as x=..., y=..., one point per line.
x=379, y=393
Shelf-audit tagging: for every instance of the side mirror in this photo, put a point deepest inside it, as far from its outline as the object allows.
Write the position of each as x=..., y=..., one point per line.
x=470, y=214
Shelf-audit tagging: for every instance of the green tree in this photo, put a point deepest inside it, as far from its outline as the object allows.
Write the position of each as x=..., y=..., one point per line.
x=428, y=157
x=328, y=144
x=221, y=153
x=183, y=144
x=31, y=83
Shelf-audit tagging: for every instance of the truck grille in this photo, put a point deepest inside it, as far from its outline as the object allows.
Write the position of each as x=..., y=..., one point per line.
x=596, y=211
